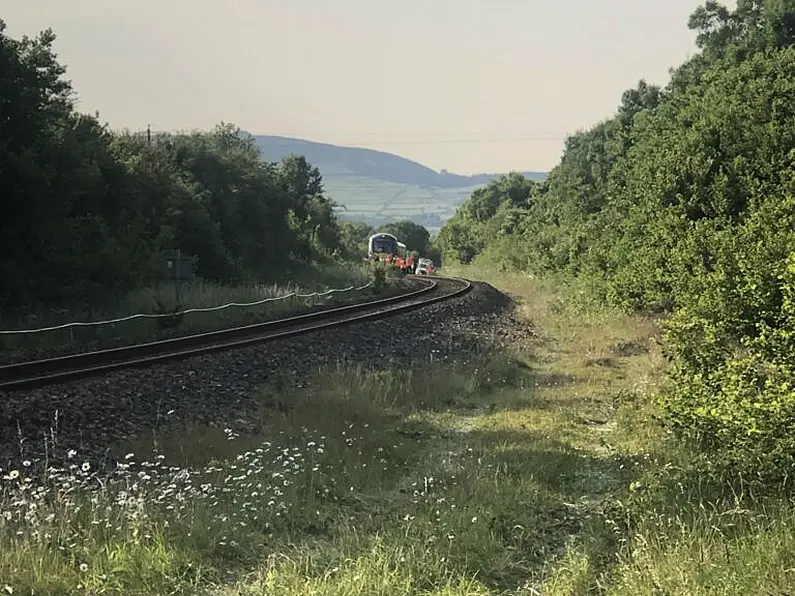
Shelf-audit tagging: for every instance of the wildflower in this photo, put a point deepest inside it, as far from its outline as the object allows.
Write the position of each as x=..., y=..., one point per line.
x=83, y=567
x=86, y=466
x=12, y=475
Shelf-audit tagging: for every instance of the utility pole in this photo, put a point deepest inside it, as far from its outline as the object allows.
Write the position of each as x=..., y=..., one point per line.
x=148, y=134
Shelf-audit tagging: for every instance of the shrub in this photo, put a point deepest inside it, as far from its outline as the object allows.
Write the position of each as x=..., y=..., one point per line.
x=379, y=277
x=739, y=408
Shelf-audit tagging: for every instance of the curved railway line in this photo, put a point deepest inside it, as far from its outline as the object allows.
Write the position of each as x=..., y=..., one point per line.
x=65, y=368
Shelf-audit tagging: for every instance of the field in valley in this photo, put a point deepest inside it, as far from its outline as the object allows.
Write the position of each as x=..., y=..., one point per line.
x=376, y=201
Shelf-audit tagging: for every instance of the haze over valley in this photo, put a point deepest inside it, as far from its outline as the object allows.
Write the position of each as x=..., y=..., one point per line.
x=377, y=187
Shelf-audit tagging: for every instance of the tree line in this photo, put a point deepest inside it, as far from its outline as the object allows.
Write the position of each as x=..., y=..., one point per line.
x=682, y=203
x=87, y=213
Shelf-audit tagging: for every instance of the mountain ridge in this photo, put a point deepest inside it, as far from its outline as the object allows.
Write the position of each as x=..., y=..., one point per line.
x=373, y=163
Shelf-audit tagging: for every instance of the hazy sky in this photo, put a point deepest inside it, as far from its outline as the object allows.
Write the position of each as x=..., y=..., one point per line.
x=466, y=85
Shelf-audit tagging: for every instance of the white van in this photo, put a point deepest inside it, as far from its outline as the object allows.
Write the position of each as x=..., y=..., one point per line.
x=424, y=267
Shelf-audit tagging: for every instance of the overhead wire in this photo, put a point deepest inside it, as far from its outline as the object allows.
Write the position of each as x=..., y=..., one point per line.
x=391, y=140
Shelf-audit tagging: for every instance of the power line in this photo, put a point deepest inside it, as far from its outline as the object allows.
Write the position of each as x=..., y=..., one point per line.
x=361, y=140
x=461, y=141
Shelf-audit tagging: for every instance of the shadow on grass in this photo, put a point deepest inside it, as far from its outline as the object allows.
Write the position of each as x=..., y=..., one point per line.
x=571, y=500
x=532, y=492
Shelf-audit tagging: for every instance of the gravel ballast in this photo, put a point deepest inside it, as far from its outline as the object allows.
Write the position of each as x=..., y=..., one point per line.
x=92, y=415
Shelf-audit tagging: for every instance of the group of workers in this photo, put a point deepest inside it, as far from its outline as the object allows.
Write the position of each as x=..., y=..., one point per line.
x=404, y=264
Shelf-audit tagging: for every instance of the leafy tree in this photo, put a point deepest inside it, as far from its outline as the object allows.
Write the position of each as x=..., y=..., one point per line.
x=413, y=235
x=353, y=238
x=512, y=187
x=87, y=214
x=311, y=213
x=64, y=231
x=459, y=240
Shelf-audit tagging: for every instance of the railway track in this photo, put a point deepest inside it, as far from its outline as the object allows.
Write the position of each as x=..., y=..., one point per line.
x=48, y=371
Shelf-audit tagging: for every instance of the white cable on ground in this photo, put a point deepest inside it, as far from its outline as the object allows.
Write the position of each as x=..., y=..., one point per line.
x=187, y=311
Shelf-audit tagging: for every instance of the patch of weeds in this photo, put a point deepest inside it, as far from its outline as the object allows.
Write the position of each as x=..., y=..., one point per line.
x=603, y=362
x=625, y=349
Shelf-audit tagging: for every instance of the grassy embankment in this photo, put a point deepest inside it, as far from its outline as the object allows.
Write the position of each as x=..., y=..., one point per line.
x=194, y=294
x=523, y=475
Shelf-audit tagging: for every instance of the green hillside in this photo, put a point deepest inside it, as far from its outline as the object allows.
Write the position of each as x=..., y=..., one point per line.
x=377, y=201
x=378, y=187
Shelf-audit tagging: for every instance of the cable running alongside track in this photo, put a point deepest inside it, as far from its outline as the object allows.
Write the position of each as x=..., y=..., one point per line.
x=65, y=368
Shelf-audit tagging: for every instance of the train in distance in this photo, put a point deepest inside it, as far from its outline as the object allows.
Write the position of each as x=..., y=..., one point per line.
x=388, y=249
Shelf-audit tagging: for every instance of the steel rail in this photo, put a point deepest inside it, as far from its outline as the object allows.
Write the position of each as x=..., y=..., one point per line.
x=65, y=368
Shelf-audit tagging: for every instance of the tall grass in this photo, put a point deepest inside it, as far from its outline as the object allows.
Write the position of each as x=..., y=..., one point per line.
x=677, y=531
x=162, y=299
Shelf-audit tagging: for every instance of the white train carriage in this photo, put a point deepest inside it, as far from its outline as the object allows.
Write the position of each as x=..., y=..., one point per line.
x=380, y=245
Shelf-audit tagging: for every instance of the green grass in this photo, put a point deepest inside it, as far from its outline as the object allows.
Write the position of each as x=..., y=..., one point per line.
x=538, y=470
x=379, y=202
x=194, y=294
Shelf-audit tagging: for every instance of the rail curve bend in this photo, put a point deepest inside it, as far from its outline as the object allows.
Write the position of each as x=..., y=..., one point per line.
x=66, y=368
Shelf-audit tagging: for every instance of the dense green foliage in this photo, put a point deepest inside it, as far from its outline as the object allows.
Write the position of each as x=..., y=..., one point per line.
x=683, y=203
x=87, y=214
x=414, y=236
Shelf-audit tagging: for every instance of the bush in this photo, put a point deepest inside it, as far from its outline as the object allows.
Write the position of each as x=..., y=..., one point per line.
x=738, y=405
x=379, y=277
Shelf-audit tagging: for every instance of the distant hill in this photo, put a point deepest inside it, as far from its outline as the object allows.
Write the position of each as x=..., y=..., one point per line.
x=376, y=186
x=371, y=163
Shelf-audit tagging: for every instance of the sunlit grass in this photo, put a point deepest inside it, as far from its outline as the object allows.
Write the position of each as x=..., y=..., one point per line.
x=676, y=532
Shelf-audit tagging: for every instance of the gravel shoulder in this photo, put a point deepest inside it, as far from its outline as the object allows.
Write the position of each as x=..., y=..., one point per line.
x=93, y=415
